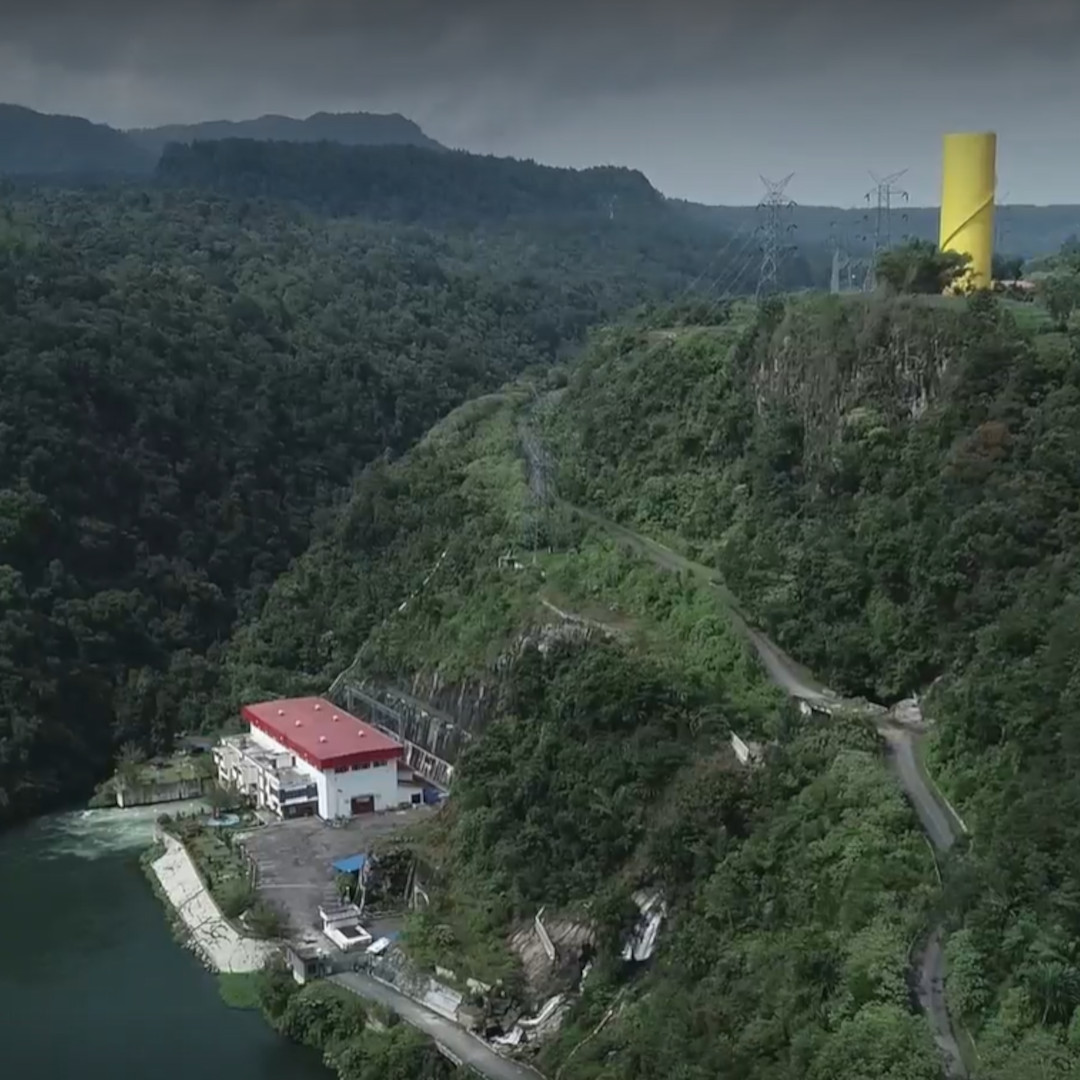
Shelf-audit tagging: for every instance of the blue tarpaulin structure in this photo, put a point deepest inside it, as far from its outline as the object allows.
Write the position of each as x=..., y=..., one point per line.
x=352, y=865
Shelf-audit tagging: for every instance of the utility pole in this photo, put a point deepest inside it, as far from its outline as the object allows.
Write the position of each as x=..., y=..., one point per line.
x=880, y=199
x=839, y=263
x=1001, y=228
x=775, y=210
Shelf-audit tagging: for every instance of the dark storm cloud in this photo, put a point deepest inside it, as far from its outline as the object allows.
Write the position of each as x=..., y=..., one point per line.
x=572, y=81
x=569, y=46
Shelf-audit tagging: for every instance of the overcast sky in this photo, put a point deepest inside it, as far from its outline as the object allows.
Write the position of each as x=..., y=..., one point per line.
x=702, y=95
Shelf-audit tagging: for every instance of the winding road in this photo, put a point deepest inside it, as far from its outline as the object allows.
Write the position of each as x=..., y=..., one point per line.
x=899, y=728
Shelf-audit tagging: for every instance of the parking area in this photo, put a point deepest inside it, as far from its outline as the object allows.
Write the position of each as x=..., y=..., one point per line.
x=294, y=858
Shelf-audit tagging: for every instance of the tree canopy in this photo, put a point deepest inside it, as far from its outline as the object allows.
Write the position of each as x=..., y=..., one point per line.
x=918, y=267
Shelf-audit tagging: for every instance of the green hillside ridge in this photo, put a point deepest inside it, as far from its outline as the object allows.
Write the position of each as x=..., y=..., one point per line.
x=608, y=766
x=886, y=486
x=890, y=489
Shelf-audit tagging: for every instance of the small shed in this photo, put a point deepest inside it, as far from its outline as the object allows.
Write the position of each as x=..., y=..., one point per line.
x=306, y=963
x=341, y=924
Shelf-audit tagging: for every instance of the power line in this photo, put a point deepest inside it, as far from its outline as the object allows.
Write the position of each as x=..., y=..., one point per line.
x=741, y=270
x=747, y=255
x=714, y=260
x=775, y=209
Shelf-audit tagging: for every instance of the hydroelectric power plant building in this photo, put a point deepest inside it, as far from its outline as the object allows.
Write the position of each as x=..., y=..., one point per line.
x=306, y=756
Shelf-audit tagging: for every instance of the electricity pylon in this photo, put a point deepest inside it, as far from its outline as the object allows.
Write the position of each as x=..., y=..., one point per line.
x=880, y=199
x=775, y=210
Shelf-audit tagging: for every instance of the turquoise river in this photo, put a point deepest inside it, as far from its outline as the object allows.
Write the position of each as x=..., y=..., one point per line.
x=92, y=983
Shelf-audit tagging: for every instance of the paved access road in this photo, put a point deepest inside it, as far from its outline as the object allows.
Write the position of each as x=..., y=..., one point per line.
x=458, y=1041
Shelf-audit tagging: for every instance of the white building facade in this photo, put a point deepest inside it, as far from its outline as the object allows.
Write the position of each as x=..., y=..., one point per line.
x=305, y=756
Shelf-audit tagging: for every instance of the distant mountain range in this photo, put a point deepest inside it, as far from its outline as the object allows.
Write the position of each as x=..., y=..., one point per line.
x=41, y=144
x=1021, y=229
x=349, y=129
x=33, y=143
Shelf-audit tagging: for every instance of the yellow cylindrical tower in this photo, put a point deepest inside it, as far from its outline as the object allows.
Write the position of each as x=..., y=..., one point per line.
x=969, y=176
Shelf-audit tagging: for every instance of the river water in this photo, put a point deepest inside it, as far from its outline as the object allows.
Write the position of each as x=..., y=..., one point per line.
x=92, y=983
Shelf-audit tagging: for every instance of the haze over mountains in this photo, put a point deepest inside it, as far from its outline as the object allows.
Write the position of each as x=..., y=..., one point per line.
x=349, y=129
x=34, y=143
x=41, y=145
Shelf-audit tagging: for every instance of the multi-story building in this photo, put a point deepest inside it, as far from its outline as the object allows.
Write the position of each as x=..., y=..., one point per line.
x=305, y=756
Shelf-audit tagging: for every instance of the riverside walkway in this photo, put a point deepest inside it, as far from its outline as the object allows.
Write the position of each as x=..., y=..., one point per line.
x=212, y=935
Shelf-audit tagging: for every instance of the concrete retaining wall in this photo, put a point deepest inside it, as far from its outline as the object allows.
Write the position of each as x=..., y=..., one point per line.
x=149, y=794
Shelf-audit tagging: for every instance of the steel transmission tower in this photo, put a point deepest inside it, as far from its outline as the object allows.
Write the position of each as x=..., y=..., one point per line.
x=775, y=210
x=880, y=200
x=841, y=257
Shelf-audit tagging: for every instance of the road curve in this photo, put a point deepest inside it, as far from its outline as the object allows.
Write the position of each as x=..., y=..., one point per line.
x=940, y=826
x=469, y=1049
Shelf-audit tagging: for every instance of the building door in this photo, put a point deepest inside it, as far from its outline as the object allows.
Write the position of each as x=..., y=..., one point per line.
x=363, y=804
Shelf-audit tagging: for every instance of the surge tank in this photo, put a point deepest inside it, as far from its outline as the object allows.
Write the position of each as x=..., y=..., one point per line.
x=969, y=176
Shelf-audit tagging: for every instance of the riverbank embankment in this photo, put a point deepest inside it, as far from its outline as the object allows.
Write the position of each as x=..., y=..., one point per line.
x=212, y=936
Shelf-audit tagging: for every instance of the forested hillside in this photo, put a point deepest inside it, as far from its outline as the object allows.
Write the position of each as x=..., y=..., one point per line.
x=795, y=891
x=886, y=486
x=406, y=183
x=891, y=489
x=185, y=379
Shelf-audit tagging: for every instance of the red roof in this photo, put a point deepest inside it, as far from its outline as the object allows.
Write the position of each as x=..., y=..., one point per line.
x=320, y=733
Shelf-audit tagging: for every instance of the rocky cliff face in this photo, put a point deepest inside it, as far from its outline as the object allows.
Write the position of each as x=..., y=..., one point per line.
x=830, y=357
x=440, y=718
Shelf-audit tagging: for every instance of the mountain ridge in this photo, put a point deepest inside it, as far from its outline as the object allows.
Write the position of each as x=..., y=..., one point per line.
x=348, y=128
x=35, y=143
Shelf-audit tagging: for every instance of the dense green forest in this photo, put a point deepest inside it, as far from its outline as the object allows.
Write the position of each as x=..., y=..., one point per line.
x=185, y=380
x=343, y=1029
x=607, y=213
x=405, y=182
